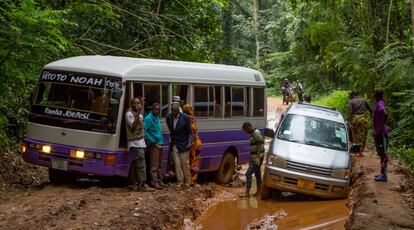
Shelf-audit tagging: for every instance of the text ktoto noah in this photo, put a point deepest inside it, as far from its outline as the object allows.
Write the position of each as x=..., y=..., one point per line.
x=76, y=79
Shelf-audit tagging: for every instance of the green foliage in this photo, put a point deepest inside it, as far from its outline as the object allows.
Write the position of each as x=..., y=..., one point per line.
x=406, y=155
x=337, y=99
x=29, y=38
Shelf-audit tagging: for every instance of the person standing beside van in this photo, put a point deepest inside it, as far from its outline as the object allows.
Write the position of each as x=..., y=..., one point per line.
x=154, y=141
x=358, y=119
x=381, y=133
x=256, y=157
x=181, y=139
x=134, y=125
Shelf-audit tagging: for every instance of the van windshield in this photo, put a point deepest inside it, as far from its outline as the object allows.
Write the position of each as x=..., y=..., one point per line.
x=313, y=131
x=77, y=101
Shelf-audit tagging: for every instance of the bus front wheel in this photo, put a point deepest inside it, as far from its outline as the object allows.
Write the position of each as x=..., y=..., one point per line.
x=264, y=192
x=226, y=169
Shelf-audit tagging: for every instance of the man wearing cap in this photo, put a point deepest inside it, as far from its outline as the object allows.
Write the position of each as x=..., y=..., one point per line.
x=181, y=139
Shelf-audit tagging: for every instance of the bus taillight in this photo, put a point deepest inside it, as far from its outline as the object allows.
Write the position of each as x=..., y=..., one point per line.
x=110, y=159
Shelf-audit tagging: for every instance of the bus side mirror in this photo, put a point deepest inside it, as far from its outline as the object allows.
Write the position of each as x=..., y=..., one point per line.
x=355, y=148
x=117, y=93
x=269, y=133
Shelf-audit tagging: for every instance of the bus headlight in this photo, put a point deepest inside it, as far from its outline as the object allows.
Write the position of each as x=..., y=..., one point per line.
x=77, y=153
x=277, y=161
x=340, y=173
x=46, y=148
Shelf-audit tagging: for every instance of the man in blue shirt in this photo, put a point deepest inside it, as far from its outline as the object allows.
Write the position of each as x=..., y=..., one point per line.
x=154, y=141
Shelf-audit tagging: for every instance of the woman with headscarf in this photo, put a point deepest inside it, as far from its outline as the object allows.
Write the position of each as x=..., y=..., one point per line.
x=195, y=147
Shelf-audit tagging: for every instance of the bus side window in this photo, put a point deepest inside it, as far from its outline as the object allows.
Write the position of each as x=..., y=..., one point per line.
x=217, y=102
x=258, y=102
x=237, y=101
x=152, y=94
x=182, y=91
x=201, y=101
x=227, y=101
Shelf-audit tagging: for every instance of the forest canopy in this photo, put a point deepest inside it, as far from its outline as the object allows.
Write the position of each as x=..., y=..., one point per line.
x=328, y=45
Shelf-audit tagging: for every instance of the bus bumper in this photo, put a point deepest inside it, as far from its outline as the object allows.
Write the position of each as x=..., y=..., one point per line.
x=62, y=160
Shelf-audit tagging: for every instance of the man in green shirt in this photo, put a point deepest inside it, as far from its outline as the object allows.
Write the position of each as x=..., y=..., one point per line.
x=256, y=157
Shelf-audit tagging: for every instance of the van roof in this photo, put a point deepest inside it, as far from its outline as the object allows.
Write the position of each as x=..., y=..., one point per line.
x=155, y=70
x=316, y=111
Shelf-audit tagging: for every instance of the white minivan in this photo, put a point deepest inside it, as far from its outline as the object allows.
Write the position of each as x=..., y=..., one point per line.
x=309, y=153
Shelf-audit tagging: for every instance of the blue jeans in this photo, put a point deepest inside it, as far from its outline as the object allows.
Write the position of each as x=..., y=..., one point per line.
x=254, y=169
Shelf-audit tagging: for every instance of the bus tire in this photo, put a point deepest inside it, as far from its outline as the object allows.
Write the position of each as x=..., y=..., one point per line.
x=57, y=177
x=265, y=192
x=226, y=169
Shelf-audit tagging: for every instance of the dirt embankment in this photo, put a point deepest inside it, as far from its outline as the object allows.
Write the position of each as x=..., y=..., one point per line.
x=380, y=205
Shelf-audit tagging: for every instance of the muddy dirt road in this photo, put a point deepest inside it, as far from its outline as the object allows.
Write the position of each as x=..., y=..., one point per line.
x=32, y=203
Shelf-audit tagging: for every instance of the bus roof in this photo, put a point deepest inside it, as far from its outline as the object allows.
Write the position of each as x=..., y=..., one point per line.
x=155, y=70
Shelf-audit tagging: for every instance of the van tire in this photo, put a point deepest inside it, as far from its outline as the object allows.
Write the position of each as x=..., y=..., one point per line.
x=226, y=169
x=265, y=192
x=58, y=177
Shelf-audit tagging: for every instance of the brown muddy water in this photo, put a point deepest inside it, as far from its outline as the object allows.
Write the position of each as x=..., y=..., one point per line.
x=252, y=212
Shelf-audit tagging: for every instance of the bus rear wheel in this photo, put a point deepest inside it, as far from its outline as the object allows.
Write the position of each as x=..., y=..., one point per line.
x=226, y=169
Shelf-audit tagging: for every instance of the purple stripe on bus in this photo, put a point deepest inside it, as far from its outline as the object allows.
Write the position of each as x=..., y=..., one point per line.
x=215, y=144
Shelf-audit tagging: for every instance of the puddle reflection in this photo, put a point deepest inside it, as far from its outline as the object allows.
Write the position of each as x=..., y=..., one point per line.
x=240, y=213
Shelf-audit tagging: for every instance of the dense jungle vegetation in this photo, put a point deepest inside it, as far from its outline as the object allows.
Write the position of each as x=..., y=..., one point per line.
x=332, y=46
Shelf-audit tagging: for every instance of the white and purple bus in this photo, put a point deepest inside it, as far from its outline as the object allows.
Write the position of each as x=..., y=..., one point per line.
x=76, y=121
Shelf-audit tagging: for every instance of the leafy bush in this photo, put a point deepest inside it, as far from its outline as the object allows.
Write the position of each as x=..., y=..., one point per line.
x=337, y=99
x=406, y=155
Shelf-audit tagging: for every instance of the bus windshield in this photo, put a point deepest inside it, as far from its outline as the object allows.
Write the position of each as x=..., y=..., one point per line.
x=313, y=131
x=76, y=101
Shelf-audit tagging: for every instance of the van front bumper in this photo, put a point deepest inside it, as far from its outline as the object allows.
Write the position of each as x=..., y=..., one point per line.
x=288, y=180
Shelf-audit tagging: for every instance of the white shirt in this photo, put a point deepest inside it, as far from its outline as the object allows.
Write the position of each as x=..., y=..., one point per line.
x=140, y=143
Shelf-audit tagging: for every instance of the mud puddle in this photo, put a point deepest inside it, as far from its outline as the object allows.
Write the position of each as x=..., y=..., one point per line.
x=253, y=213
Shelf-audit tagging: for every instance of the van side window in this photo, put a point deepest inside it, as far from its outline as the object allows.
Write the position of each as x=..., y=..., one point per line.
x=237, y=101
x=258, y=102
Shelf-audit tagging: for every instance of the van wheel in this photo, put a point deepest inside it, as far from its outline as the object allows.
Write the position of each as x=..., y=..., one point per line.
x=226, y=169
x=58, y=177
x=264, y=192
x=132, y=176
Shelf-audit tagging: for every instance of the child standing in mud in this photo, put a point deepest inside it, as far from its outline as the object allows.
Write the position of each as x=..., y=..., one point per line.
x=256, y=157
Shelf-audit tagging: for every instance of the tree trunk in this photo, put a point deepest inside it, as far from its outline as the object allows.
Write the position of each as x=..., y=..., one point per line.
x=228, y=33
x=256, y=32
x=388, y=23
x=412, y=21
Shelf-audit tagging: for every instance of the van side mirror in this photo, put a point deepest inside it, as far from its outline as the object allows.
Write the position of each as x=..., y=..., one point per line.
x=355, y=148
x=269, y=133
